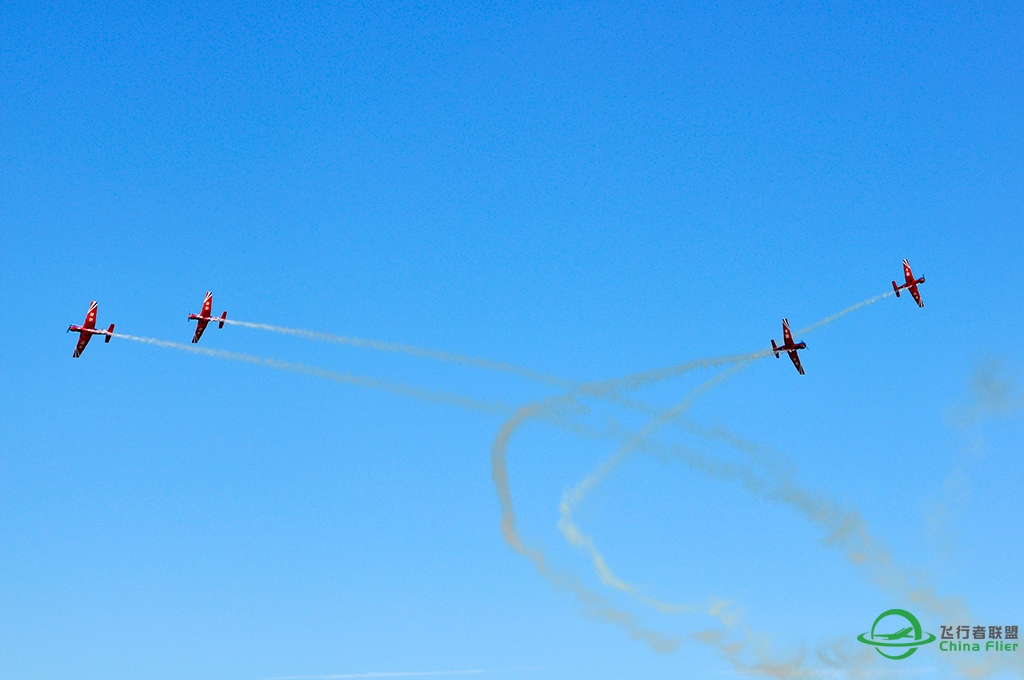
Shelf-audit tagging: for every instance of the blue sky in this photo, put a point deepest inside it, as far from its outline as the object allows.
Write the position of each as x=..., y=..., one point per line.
x=586, y=191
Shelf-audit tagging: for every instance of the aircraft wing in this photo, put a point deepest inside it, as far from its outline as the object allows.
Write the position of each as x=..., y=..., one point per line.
x=795, y=358
x=917, y=295
x=90, y=318
x=787, y=337
x=84, y=335
x=909, y=275
x=200, y=327
x=83, y=340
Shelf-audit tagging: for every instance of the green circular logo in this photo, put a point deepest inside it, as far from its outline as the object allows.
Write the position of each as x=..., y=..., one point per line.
x=912, y=634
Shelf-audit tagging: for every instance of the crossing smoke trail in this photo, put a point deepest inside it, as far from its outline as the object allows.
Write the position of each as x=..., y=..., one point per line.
x=499, y=449
x=572, y=499
x=845, y=528
x=596, y=606
x=609, y=392
x=499, y=473
x=421, y=352
x=344, y=378
x=554, y=415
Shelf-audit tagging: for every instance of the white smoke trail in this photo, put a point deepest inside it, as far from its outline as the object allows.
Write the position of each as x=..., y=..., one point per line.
x=651, y=428
x=478, y=362
x=543, y=378
x=845, y=525
x=572, y=498
x=638, y=380
x=716, y=434
x=829, y=319
x=993, y=396
x=611, y=389
x=421, y=352
x=499, y=472
x=844, y=528
x=344, y=378
x=596, y=606
x=575, y=536
x=499, y=366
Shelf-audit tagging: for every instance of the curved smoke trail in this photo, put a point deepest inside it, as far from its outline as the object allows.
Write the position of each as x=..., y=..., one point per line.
x=573, y=498
x=499, y=473
x=845, y=528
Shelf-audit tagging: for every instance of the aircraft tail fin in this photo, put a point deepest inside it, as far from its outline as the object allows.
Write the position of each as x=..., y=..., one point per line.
x=222, y=317
x=775, y=348
x=896, y=288
x=110, y=332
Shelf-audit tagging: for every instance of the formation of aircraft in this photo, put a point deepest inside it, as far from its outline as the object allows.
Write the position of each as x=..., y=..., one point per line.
x=911, y=284
x=88, y=329
x=789, y=346
x=204, y=317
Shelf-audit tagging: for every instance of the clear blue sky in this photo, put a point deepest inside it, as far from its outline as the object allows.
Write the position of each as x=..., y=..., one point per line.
x=587, y=191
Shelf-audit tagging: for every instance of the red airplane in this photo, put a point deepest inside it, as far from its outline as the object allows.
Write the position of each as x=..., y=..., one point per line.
x=911, y=284
x=205, y=317
x=789, y=346
x=86, y=332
